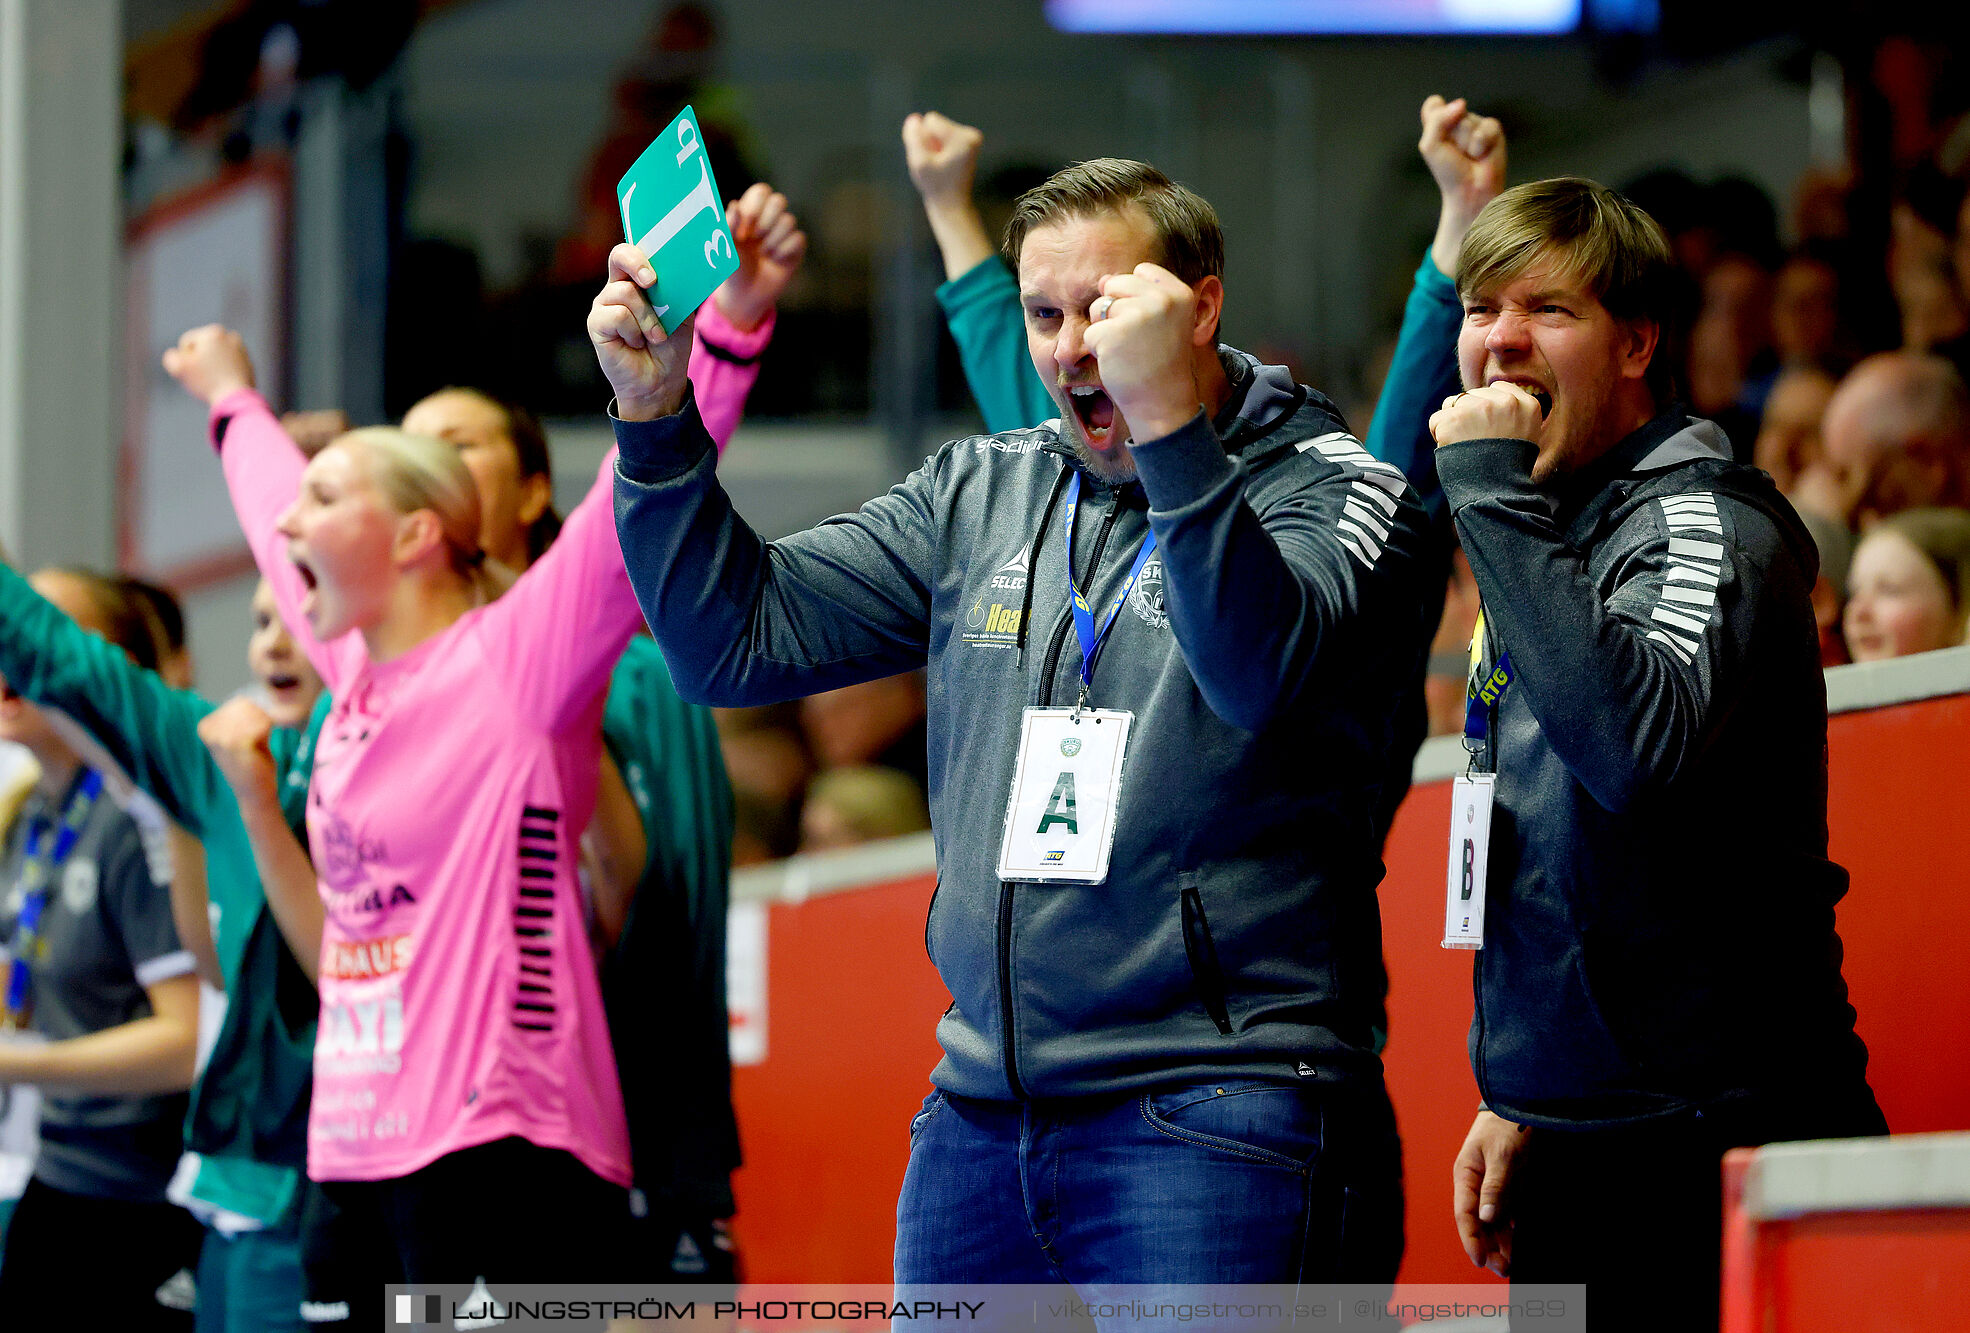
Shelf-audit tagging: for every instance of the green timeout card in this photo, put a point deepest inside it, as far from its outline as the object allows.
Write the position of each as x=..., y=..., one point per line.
x=673, y=213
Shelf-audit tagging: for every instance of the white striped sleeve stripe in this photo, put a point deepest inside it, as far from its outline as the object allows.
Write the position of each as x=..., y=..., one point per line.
x=1697, y=547
x=1372, y=519
x=1680, y=571
x=1347, y=449
x=1683, y=648
x=1680, y=619
x=1367, y=540
x=1367, y=490
x=1354, y=549
x=1700, y=597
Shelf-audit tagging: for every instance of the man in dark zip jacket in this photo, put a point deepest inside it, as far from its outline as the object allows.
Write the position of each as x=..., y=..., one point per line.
x=1659, y=978
x=1161, y=1064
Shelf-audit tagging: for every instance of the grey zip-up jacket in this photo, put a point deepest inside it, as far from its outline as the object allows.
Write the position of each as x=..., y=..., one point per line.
x=1659, y=934
x=1262, y=653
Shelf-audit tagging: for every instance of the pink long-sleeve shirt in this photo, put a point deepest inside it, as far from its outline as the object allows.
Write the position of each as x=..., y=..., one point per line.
x=459, y=1001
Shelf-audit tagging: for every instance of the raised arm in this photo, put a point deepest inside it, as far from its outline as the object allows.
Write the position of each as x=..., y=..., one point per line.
x=1465, y=153
x=942, y=156
x=263, y=474
x=738, y=620
x=734, y=327
x=979, y=297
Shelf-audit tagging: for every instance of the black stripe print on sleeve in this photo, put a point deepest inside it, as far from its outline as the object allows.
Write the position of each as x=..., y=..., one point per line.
x=533, y=918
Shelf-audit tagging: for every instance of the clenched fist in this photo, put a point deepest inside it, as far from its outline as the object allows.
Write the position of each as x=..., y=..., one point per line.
x=211, y=362
x=239, y=735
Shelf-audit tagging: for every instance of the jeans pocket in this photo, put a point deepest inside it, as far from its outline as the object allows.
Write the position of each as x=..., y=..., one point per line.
x=923, y=1117
x=1262, y=1122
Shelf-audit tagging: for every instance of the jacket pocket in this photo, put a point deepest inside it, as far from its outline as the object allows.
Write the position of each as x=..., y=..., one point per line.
x=1203, y=955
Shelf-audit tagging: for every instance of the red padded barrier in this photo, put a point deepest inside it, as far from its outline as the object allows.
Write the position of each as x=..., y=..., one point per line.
x=852, y=1003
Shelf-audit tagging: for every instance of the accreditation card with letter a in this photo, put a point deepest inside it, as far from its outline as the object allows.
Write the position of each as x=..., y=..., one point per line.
x=1066, y=787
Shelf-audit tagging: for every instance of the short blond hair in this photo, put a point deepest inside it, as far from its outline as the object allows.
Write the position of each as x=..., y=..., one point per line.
x=1592, y=236
x=413, y=472
x=1188, y=235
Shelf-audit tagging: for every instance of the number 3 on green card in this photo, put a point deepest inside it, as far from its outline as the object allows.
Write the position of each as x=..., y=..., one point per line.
x=673, y=213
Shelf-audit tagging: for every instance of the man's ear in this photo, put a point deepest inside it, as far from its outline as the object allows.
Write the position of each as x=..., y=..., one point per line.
x=536, y=492
x=1209, y=292
x=1638, y=352
x=418, y=534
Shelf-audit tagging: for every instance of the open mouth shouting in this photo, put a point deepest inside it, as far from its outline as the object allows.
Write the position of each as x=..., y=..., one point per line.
x=1094, y=412
x=311, y=602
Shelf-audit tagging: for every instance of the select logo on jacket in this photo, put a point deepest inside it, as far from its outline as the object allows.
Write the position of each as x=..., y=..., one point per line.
x=992, y=620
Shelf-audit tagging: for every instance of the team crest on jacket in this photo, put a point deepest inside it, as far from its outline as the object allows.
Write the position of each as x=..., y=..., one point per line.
x=1146, y=598
x=992, y=619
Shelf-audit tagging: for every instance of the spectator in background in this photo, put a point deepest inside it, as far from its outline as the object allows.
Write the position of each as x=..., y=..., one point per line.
x=1920, y=272
x=672, y=70
x=767, y=759
x=877, y=722
x=1730, y=351
x=1789, y=439
x=1836, y=548
x=1957, y=350
x=1808, y=327
x=167, y=625
x=1897, y=436
x=1908, y=590
x=860, y=803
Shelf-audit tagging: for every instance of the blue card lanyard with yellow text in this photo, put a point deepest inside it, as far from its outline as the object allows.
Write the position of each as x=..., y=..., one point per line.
x=39, y=862
x=1067, y=782
x=1470, y=800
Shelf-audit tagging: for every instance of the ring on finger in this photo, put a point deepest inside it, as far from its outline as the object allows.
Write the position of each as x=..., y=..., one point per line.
x=1099, y=310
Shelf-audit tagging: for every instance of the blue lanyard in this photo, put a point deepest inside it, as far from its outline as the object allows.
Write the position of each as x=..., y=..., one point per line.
x=1091, y=639
x=37, y=873
x=1482, y=693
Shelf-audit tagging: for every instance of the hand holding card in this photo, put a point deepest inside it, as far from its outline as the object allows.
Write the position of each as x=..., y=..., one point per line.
x=648, y=368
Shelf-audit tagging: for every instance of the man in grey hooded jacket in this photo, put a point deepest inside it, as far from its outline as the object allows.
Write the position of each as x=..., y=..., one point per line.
x=1162, y=1064
x=1659, y=978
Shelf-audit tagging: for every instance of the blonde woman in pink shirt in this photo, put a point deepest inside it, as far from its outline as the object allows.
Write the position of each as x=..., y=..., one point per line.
x=466, y=1100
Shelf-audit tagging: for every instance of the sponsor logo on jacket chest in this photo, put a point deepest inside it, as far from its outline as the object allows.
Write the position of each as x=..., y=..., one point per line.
x=991, y=619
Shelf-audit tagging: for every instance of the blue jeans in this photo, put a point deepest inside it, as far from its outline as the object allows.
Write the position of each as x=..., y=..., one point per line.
x=1231, y=1181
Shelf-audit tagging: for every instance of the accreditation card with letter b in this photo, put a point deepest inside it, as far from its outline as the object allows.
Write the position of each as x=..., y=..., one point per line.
x=1066, y=787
